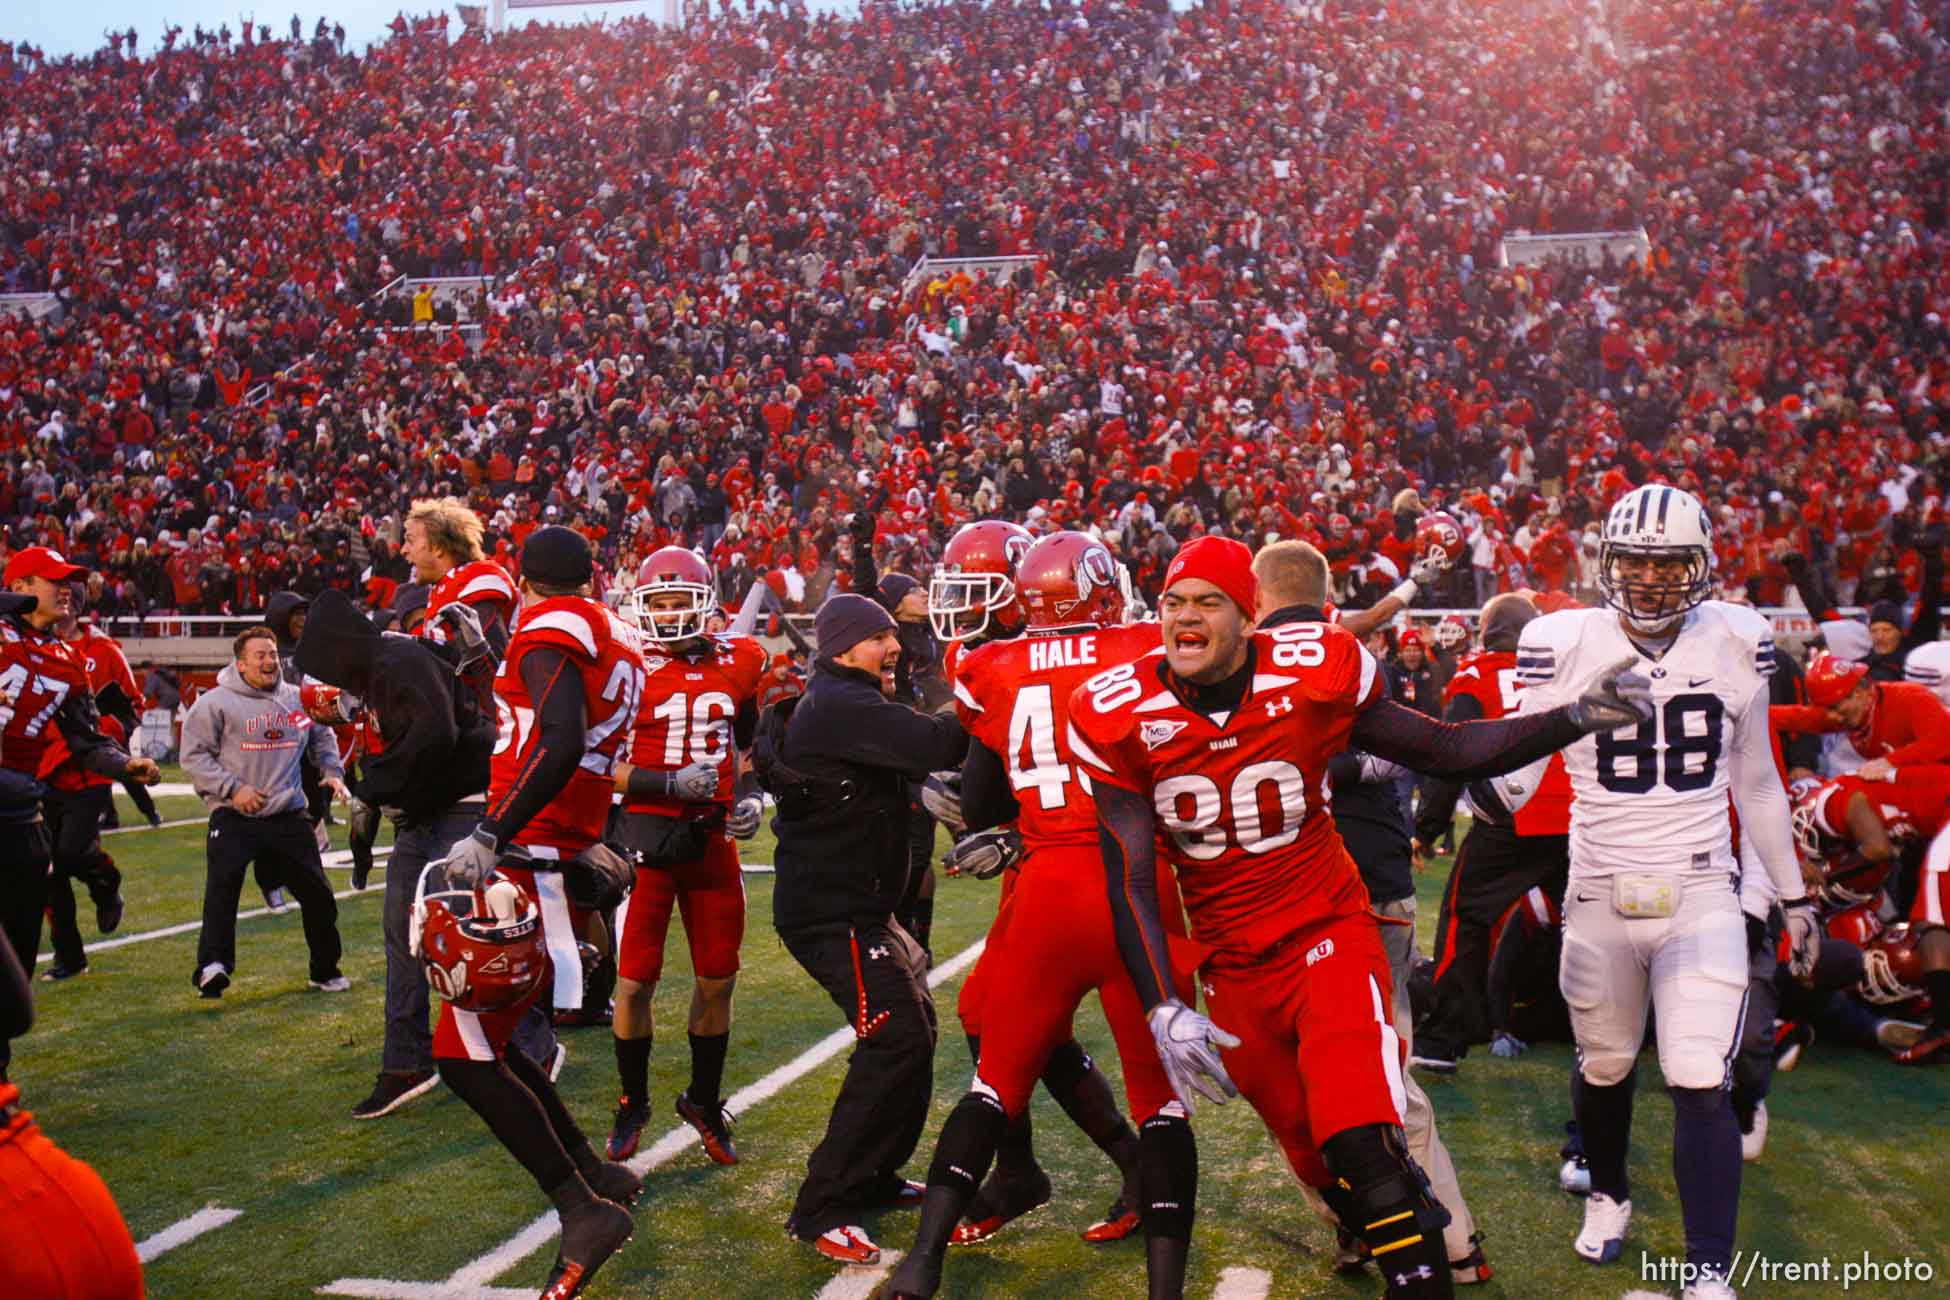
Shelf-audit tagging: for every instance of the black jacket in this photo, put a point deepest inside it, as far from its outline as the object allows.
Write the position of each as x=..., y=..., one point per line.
x=1371, y=816
x=437, y=740
x=839, y=764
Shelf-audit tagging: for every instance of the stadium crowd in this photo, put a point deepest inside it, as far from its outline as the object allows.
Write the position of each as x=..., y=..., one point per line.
x=1266, y=299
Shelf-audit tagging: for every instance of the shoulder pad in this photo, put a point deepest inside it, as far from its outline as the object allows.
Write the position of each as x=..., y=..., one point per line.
x=559, y=622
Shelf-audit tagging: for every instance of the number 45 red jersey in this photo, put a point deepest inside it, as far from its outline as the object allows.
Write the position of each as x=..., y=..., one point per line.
x=1242, y=798
x=604, y=651
x=1014, y=697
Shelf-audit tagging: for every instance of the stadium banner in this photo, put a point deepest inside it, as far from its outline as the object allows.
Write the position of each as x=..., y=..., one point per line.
x=1586, y=249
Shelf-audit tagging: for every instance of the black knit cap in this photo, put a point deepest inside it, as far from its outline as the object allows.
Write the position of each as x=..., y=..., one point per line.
x=557, y=557
x=1886, y=611
x=846, y=620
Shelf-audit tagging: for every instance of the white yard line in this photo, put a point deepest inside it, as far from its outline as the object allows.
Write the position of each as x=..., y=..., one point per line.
x=145, y=826
x=856, y=1283
x=191, y=927
x=468, y=1281
x=1243, y=1284
x=207, y=1219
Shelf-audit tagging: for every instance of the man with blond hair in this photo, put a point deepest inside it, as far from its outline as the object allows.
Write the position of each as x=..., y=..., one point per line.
x=442, y=541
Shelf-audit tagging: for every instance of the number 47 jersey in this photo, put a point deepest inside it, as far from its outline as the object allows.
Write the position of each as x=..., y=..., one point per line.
x=1242, y=798
x=1655, y=796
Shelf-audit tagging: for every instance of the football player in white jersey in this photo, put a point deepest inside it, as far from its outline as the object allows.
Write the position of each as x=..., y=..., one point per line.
x=1652, y=916
x=1930, y=664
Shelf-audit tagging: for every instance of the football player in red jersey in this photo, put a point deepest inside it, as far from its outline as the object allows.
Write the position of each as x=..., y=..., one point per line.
x=1497, y=864
x=46, y=712
x=441, y=539
x=1052, y=941
x=1220, y=740
x=566, y=696
x=1880, y=818
x=79, y=801
x=1892, y=724
x=681, y=811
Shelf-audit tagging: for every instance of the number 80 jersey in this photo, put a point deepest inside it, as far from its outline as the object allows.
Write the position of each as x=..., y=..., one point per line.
x=1242, y=799
x=1655, y=796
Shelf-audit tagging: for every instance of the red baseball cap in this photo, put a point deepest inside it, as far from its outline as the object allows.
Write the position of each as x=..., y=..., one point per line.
x=40, y=562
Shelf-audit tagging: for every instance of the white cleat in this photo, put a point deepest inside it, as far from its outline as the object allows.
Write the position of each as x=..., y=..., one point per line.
x=1575, y=1177
x=1710, y=1285
x=1602, y=1238
x=1754, y=1140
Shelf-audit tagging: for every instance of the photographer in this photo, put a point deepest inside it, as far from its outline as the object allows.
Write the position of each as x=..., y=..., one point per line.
x=840, y=763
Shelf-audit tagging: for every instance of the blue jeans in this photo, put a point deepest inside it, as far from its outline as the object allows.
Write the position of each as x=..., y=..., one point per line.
x=409, y=1037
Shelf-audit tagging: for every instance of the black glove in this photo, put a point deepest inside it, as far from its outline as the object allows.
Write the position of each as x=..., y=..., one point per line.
x=1618, y=697
x=861, y=525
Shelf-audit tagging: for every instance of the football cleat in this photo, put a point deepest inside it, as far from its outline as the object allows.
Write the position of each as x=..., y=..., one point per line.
x=1930, y=1046
x=1602, y=1239
x=336, y=984
x=1791, y=1039
x=57, y=972
x=1472, y=1268
x=1891, y=1035
x=108, y=915
x=916, y=1277
x=590, y=1235
x=1001, y=1202
x=848, y=1245
x=713, y=1125
x=393, y=1091
x=1119, y=1222
x=1754, y=1139
x=627, y=1131
x=614, y=1182
x=1711, y=1284
x=212, y=980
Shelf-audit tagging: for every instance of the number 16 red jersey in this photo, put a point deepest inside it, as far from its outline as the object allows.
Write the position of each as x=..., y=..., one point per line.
x=1014, y=697
x=1242, y=798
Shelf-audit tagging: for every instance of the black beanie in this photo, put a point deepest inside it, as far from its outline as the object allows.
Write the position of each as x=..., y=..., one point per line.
x=1886, y=611
x=846, y=620
x=557, y=557
x=893, y=590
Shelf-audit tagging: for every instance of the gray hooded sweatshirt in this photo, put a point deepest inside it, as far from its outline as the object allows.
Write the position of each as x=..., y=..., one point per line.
x=237, y=735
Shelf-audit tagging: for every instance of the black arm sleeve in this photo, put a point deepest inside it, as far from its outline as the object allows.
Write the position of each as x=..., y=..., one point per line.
x=561, y=731
x=113, y=701
x=1127, y=832
x=986, y=799
x=792, y=634
x=1439, y=797
x=646, y=784
x=16, y=995
x=81, y=727
x=1809, y=586
x=1463, y=751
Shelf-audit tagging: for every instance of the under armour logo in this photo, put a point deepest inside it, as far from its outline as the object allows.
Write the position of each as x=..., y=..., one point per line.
x=1422, y=1272
x=876, y=952
x=1274, y=708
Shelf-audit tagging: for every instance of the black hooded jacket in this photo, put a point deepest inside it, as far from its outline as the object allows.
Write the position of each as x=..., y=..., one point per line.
x=277, y=616
x=437, y=741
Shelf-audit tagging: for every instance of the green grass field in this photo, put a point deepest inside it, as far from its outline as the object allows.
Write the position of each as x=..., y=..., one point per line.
x=242, y=1103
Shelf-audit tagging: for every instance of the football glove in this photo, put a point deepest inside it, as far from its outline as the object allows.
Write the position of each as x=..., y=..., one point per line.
x=941, y=796
x=1507, y=1045
x=1427, y=571
x=1188, y=1047
x=694, y=782
x=985, y=854
x=1618, y=698
x=464, y=634
x=468, y=863
x=1804, y=937
x=742, y=823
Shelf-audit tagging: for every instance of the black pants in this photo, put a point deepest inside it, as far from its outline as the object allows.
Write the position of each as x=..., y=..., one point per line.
x=74, y=822
x=883, y=1102
x=25, y=855
x=1493, y=869
x=235, y=841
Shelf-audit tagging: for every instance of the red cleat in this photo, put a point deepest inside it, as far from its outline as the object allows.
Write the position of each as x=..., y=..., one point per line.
x=1929, y=1047
x=713, y=1125
x=1001, y=1202
x=1119, y=1222
x=847, y=1245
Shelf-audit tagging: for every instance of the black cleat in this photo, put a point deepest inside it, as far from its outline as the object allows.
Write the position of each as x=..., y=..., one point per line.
x=713, y=1125
x=108, y=915
x=590, y=1236
x=393, y=1091
x=614, y=1182
x=627, y=1131
x=57, y=972
x=211, y=981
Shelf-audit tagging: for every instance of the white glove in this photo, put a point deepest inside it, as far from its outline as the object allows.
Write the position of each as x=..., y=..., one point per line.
x=1618, y=698
x=468, y=863
x=694, y=782
x=941, y=796
x=1428, y=571
x=1188, y=1047
x=984, y=854
x=1508, y=1046
x=742, y=822
x=1804, y=938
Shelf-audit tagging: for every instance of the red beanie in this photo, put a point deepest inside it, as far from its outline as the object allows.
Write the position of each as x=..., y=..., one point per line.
x=1224, y=563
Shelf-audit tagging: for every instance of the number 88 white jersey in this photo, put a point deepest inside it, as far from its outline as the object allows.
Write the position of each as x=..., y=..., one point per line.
x=1655, y=797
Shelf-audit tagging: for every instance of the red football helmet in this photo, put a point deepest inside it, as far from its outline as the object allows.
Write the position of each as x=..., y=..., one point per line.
x=1856, y=925
x=1339, y=526
x=477, y=957
x=1071, y=578
x=1810, y=837
x=1830, y=679
x=679, y=582
x=1849, y=879
x=974, y=586
x=1892, y=969
x=326, y=704
x=1439, y=537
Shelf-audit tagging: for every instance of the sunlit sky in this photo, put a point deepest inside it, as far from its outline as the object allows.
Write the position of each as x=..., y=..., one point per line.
x=68, y=28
